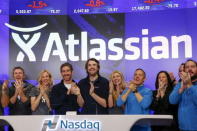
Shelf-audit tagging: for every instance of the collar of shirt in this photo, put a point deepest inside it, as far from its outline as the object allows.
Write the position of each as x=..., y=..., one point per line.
x=140, y=87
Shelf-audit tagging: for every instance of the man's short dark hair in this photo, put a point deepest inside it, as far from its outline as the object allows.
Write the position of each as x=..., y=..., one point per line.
x=18, y=67
x=66, y=64
x=191, y=60
x=92, y=59
x=142, y=71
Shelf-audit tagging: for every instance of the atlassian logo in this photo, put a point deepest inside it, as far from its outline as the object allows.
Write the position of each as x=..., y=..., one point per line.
x=26, y=46
x=61, y=124
x=132, y=48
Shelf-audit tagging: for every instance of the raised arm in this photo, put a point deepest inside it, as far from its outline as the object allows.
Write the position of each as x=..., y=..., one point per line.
x=98, y=99
x=4, y=95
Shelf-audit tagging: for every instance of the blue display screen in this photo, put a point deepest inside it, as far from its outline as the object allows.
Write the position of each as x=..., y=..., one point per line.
x=63, y=7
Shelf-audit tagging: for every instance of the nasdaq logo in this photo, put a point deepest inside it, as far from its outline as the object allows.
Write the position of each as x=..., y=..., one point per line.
x=50, y=124
x=60, y=124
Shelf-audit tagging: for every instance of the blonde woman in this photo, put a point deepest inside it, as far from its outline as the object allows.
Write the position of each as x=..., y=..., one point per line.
x=40, y=104
x=116, y=87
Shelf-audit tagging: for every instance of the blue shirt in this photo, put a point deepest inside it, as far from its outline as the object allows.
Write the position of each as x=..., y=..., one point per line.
x=132, y=106
x=187, y=110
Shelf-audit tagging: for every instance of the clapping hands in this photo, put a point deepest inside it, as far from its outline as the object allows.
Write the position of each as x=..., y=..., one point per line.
x=133, y=85
x=19, y=87
x=161, y=89
x=91, y=91
x=186, y=81
x=74, y=89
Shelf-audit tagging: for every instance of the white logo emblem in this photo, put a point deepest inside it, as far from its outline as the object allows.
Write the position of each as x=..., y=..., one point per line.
x=26, y=46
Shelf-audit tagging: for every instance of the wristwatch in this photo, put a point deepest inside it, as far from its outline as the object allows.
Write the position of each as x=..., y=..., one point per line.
x=135, y=91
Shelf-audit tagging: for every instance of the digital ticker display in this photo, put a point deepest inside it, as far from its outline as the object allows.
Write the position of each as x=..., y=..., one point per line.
x=61, y=7
x=123, y=35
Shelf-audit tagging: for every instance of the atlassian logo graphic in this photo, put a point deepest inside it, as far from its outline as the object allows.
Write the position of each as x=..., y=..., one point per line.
x=131, y=48
x=60, y=124
x=26, y=46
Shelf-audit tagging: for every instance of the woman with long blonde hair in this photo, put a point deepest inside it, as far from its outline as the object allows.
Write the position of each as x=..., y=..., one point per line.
x=116, y=87
x=40, y=104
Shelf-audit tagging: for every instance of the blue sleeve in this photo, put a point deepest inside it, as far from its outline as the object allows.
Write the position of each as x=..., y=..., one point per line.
x=193, y=89
x=147, y=99
x=175, y=97
x=119, y=101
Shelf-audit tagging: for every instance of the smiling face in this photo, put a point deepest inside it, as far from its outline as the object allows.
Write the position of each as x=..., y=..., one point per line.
x=139, y=77
x=18, y=75
x=116, y=78
x=191, y=68
x=92, y=68
x=45, y=79
x=66, y=73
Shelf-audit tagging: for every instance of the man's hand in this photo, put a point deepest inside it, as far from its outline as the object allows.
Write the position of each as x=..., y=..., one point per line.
x=75, y=89
x=91, y=91
x=133, y=86
x=19, y=86
x=186, y=78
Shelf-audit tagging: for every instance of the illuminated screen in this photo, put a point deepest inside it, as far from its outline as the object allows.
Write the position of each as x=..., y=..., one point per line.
x=123, y=35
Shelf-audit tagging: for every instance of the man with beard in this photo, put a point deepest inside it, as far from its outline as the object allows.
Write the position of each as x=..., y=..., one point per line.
x=19, y=93
x=136, y=98
x=94, y=89
x=66, y=96
x=185, y=95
